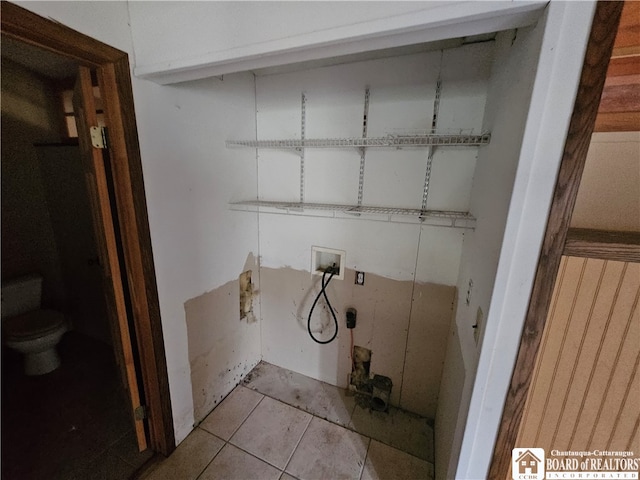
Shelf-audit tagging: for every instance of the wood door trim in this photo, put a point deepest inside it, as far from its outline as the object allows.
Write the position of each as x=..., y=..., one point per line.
x=134, y=224
x=603, y=244
x=112, y=66
x=105, y=228
x=594, y=70
x=30, y=28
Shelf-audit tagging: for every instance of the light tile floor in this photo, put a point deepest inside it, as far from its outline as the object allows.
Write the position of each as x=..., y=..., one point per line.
x=282, y=426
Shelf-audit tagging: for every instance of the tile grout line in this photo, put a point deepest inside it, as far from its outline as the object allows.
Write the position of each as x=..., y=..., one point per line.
x=346, y=427
x=241, y=423
x=212, y=458
x=242, y=450
x=364, y=462
x=256, y=457
x=248, y=415
x=226, y=442
x=310, y=413
x=349, y=425
x=298, y=444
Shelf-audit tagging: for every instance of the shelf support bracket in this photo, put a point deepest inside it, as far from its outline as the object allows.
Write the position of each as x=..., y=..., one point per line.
x=363, y=150
x=301, y=150
x=432, y=148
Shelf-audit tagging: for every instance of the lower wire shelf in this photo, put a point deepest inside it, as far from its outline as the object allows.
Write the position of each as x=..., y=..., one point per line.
x=439, y=218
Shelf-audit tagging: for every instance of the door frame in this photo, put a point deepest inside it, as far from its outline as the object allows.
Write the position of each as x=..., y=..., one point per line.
x=594, y=71
x=112, y=67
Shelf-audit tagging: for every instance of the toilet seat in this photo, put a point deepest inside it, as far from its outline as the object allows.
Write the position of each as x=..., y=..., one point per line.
x=32, y=325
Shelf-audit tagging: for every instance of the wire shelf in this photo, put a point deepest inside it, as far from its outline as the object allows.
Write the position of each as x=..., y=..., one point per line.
x=390, y=214
x=396, y=141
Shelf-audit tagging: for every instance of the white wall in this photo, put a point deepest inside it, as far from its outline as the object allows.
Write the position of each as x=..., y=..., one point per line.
x=609, y=193
x=179, y=41
x=402, y=91
x=507, y=106
x=224, y=26
x=198, y=245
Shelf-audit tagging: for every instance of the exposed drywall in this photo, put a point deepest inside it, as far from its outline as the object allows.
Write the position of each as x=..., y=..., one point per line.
x=429, y=325
x=389, y=324
x=609, y=194
x=403, y=257
x=247, y=290
x=28, y=239
x=448, y=439
x=223, y=347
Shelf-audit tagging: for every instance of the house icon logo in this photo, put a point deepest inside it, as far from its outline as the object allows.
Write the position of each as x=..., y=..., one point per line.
x=527, y=464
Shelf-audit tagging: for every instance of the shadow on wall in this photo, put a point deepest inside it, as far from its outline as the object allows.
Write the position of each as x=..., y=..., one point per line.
x=223, y=346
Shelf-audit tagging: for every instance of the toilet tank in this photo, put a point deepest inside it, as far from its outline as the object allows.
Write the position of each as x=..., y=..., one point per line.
x=21, y=295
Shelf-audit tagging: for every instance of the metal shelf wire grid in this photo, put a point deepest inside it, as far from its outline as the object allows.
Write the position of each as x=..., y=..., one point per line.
x=390, y=214
x=398, y=141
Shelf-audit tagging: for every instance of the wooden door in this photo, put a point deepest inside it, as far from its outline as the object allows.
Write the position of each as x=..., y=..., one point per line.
x=95, y=162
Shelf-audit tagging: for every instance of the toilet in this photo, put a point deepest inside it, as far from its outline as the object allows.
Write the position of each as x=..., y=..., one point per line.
x=28, y=329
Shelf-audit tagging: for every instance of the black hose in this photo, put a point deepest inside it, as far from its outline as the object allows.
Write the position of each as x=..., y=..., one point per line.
x=331, y=270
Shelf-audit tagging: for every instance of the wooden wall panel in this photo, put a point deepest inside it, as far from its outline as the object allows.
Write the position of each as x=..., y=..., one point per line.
x=620, y=104
x=585, y=392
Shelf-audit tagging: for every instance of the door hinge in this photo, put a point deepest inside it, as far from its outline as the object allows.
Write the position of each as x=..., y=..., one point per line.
x=98, y=137
x=141, y=413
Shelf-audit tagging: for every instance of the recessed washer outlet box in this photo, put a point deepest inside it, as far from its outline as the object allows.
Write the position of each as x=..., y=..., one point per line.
x=323, y=258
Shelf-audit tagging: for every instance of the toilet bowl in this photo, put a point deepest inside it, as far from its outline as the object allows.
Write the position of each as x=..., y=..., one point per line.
x=35, y=334
x=29, y=330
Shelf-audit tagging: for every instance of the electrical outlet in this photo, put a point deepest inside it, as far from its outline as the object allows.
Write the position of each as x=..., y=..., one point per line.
x=469, y=289
x=351, y=317
x=359, y=278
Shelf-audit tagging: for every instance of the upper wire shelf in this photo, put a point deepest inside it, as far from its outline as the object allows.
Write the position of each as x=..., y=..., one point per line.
x=426, y=140
x=389, y=214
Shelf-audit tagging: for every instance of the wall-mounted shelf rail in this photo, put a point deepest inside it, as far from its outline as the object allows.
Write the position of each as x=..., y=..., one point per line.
x=388, y=214
x=397, y=141
x=418, y=138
